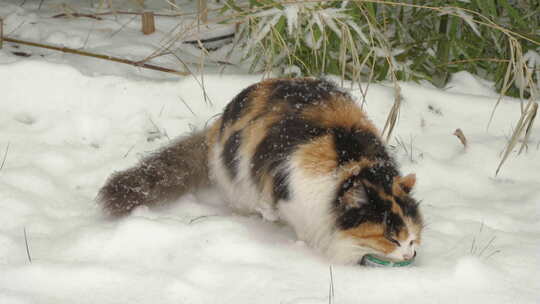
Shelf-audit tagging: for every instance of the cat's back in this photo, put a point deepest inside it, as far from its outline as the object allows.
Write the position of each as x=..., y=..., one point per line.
x=279, y=125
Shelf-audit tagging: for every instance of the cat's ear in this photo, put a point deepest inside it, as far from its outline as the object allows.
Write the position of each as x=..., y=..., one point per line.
x=406, y=183
x=354, y=197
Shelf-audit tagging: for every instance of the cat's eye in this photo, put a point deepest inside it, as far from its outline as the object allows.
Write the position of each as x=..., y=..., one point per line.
x=394, y=241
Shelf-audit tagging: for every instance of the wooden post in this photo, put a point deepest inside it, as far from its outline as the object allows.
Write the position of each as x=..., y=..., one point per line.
x=203, y=11
x=148, y=26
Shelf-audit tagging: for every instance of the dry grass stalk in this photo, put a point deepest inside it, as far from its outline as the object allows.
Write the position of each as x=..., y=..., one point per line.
x=331, y=294
x=528, y=129
x=442, y=9
x=459, y=134
x=518, y=72
x=201, y=84
x=524, y=125
x=201, y=71
x=203, y=10
x=27, y=247
x=393, y=115
x=172, y=5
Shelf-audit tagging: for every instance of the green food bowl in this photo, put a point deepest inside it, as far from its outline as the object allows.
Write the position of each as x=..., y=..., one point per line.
x=374, y=261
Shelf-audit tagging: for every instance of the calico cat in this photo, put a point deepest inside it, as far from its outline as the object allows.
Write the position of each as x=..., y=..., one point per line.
x=296, y=150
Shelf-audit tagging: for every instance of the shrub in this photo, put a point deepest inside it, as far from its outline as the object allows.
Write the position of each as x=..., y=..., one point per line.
x=406, y=40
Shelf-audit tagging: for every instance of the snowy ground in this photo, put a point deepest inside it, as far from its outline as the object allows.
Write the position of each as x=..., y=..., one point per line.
x=69, y=122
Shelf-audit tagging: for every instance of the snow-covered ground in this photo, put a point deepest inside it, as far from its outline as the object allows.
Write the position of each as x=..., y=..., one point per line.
x=67, y=122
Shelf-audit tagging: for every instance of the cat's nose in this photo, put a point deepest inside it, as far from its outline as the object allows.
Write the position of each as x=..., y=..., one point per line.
x=408, y=256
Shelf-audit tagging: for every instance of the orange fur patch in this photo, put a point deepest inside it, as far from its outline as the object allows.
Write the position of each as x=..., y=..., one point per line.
x=318, y=156
x=258, y=100
x=340, y=112
x=267, y=185
x=402, y=235
x=353, y=167
x=371, y=235
x=256, y=132
x=407, y=183
x=212, y=135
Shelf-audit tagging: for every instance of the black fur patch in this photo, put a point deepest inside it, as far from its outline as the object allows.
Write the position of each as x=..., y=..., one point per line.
x=301, y=92
x=280, y=140
x=346, y=186
x=409, y=207
x=230, y=153
x=381, y=174
x=353, y=145
x=394, y=223
x=237, y=106
x=373, y=211
x=280, y=185
x=352, y=218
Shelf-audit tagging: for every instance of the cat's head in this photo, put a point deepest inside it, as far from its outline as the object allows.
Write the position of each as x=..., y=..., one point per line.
x=377, y=214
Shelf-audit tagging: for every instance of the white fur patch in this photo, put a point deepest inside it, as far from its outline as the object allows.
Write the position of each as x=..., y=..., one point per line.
x=240, y=192
x=406, y=250
x=308, y=212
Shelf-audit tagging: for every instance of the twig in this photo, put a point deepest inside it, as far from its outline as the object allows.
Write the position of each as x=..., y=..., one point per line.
x=158, y=133
x=331, y=291
x=4, y=158
x=187, y=106
x=123, y=26
x=493, y=253
x=207, y=98
x=16, y=28
x=472, y=60
x=77, y=15
x=461, y=137
x=411, y=142
x=27, y=248
x=89, y=33
x=487, y=245
x=140, y=13
x=100, y=56
x=199, y=218
x=161, y=111
x=131, y=148
x=401, y=143
x=198, y=41
x=201, y=68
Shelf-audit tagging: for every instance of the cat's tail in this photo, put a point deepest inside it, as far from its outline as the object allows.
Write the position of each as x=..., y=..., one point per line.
x=162, y=176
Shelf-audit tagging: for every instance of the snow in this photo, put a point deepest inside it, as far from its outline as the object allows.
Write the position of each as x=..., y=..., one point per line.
x=68, y=122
